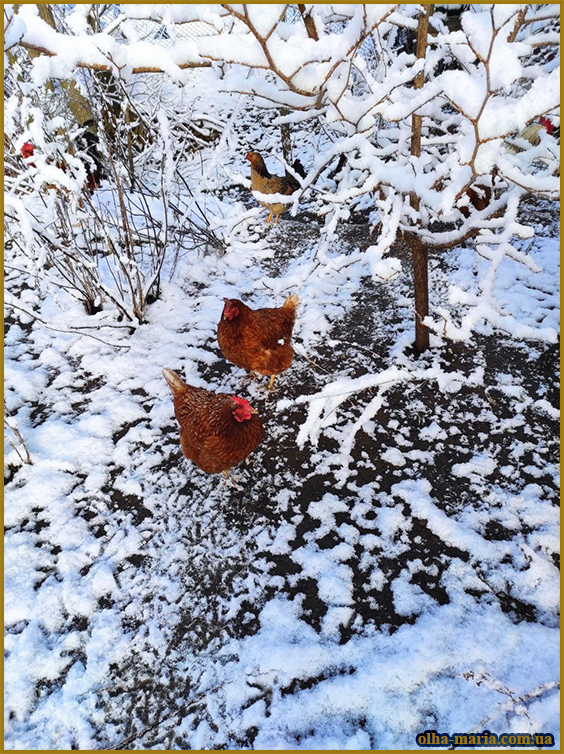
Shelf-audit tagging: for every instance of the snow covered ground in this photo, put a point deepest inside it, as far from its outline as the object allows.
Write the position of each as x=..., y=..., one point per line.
x=385, y=563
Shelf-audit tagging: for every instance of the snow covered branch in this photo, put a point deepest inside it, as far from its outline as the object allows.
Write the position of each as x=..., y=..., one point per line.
x=323, y=406
x=483, y=98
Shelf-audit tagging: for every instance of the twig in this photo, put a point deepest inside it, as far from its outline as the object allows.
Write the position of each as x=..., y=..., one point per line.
x=184, y=708
x=58, y=329
x=19, y=437
x=317, y=366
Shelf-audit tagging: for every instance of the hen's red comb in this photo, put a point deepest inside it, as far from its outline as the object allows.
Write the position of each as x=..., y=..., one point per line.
x=240, y=401
x=547, y=124
x=27, y=149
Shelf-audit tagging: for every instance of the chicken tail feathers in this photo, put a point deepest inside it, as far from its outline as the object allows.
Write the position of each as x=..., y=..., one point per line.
x=291, y=302
x=299, y=168
x=175, y=383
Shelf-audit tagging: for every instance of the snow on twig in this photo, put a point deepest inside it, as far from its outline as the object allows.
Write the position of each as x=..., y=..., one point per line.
x=323, y=406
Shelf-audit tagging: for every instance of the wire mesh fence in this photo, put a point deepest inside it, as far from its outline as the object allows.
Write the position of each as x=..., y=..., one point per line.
x=156, y=32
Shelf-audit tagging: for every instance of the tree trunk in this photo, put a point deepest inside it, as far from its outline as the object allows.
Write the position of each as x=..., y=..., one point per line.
x=420, y=254
x=285, y=127
x=78, y=105
x=286, y=139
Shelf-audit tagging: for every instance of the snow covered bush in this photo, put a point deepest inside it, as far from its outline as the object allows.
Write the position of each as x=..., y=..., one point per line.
x=19, y=453
x=96, y=208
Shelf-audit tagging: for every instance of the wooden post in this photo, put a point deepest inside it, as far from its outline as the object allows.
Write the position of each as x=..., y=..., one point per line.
x=420, y=254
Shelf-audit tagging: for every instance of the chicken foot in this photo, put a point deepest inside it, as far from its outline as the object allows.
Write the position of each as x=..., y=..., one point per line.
x=229, y=477
x=248, y=378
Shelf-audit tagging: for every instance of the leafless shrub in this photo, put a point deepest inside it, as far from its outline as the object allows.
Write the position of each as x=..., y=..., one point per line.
x=102, y=229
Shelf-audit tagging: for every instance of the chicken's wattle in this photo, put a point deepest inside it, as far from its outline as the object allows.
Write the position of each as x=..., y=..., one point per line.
x=229, y=310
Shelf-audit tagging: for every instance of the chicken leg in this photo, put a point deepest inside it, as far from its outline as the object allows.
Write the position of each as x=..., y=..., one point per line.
x=271, y=383
x=248, y=378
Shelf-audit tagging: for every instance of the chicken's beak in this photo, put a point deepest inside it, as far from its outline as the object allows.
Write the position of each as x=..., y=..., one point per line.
x=253, y=411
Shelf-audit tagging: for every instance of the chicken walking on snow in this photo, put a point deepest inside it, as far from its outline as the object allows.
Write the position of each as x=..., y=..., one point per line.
x=217, y=430
x=258, y=340
x=265, y=183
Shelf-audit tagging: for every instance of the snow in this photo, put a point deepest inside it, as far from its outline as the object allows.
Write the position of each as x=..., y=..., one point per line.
x=373, y=690
x=98, y=49
x=501, y=117
x=479, y=464
x=394, y=456
x=466, y=91
x=478, y=29
x=375, y=676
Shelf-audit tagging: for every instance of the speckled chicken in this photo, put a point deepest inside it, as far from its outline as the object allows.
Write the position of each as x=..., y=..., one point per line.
x=258, y=339
x=266, y=183
x=217, y=430
x=480, y=194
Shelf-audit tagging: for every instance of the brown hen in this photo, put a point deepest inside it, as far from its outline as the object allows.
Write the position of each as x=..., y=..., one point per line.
x=265, y=183
x=217, y=430
x=258, y=339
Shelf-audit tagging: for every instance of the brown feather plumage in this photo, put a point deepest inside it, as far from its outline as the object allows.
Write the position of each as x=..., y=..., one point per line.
x=258, y=339
x=265, y=183
x=210, y=435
